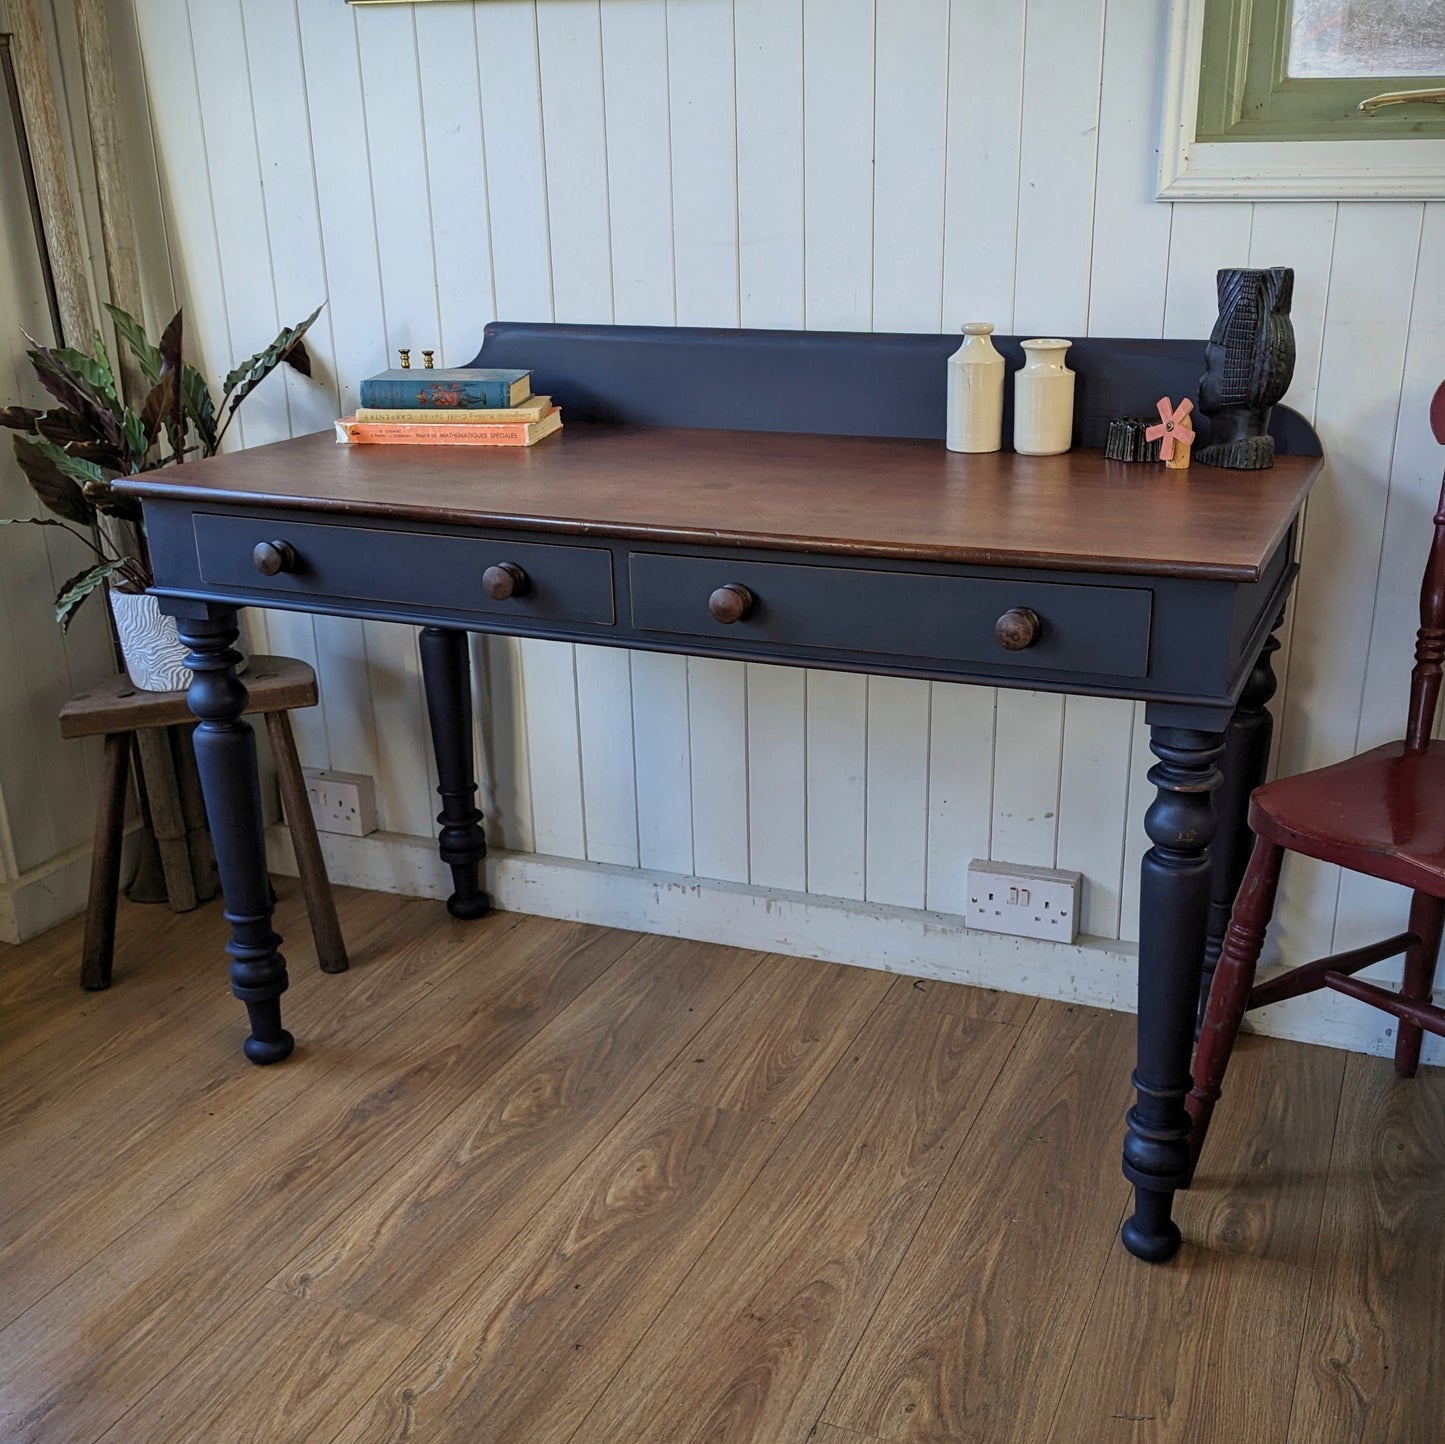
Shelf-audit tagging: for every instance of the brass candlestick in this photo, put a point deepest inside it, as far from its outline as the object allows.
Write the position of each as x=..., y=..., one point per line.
x=427, y=359
x=405, y=355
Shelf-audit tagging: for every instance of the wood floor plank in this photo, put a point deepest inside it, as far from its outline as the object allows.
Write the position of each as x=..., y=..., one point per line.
x=280, y=1370
x=962, y=1001
x=477, y=1179
x=40, y=965
x=58, y=1087
x=601, y=1259
x=800, y=1186
x=71, y=1190
x=1372, y=1370
x=82, y=1355
x=179, y=973
x=1206, y=1347
x=973, y=1336
x=61, y=1016
x=751, y=1347
x=770, y=1048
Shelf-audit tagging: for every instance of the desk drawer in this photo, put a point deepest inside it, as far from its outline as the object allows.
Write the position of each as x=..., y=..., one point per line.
x=405, y=568
x=847, y=609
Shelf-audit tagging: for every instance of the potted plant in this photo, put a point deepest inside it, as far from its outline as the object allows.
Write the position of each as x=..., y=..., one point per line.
x=73, y=451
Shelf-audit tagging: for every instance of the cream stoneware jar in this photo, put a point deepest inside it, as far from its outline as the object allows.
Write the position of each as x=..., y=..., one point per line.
x=1043, y=399
x=975, y=392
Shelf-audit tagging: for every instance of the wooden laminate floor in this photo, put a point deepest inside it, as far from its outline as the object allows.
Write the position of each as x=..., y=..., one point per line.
x=526, y=1182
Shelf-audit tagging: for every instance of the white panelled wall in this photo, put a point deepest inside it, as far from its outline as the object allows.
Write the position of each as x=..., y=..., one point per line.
x=784, y=163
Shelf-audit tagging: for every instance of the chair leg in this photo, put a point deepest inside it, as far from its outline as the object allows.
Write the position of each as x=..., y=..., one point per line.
x=99, y=954
x=315, y=885
x=1427, y=915
x=1233, y=979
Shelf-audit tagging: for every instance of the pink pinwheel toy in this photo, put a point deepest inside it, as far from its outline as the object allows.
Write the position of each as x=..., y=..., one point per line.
x=1173, y=433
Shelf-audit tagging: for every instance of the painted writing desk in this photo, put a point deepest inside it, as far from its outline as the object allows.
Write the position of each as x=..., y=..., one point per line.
x=657, y=520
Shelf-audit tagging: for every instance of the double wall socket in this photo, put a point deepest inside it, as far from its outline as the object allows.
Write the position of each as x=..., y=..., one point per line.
x=341, y=801
x=1027, y=902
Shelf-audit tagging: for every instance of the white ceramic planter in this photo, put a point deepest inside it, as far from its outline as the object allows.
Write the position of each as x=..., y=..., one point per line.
x=1043, y=399
x=975, y=392
x=155, y=656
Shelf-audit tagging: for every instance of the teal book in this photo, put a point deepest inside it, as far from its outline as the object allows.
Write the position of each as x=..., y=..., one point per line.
x=454, y=388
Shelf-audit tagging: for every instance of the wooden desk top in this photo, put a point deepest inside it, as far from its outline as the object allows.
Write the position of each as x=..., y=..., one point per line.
x=858, y=496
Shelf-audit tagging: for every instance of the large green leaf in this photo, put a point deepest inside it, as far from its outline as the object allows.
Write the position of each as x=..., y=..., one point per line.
x=105, y=498
x=19, y=418
x=62, y=383
x=148, y=357
x=58, y=491
x=94, y=369
x=137, y=439
x=77, y=437
x=65, y=428
x=77, y=468
x=78, y=588
x=200, y=409
x=158, y=408
x=170, y=349
x=73, y=391
x=287, y=346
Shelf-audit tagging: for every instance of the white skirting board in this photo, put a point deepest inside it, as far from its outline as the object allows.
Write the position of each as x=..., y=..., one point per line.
x=1093, y=971
x=54, y=891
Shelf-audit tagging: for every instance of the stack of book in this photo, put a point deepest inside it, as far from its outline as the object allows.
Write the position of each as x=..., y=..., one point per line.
x=449, y=406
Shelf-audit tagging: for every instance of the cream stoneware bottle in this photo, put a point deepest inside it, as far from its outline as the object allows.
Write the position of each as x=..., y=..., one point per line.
x=975, y=392
x=1043, y=399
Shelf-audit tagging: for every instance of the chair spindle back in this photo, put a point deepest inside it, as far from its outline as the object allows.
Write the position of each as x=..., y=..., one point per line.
x=1430, y=641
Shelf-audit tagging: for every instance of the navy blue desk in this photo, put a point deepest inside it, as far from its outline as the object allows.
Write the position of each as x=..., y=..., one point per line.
x=784, y=497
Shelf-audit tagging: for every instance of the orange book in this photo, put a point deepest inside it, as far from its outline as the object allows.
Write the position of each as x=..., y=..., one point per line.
x=397, y=433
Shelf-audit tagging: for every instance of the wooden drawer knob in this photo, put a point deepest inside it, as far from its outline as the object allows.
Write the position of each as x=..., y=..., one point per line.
x=504, y=580
x=1017, y=628
x=730, y=603
x=274, y=556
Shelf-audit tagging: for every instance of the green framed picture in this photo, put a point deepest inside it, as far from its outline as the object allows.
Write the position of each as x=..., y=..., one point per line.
x=1302, y=70
x=1304, y=100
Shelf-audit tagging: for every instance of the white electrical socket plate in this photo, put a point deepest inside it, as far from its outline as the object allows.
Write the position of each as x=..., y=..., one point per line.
x=1026, y=902
x=341, y=801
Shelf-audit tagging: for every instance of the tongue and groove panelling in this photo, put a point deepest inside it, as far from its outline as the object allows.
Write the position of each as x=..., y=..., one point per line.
x=743, y=162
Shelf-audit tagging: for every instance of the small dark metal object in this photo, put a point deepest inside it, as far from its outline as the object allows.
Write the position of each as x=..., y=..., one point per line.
x=1126, y=440
x=730, y=603
x=504, y=580
x=1248, y=364
x=274, y=556
x=1017, y=629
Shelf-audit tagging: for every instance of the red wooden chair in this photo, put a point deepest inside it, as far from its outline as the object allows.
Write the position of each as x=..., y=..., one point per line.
x=1382, y=813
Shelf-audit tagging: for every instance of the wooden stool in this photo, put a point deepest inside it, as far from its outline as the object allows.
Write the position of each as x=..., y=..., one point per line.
x=116, y=709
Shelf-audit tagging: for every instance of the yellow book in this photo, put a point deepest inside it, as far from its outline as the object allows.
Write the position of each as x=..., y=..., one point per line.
x=534, y=408
x=393, y=433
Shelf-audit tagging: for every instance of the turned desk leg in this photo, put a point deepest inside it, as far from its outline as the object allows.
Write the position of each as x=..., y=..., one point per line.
x=226, y=760
x=446, y=671
x=1173, y=913
x=1246, y=760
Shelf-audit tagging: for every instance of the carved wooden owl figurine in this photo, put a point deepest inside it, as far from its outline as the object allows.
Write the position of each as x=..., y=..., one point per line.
x=1248, y=364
